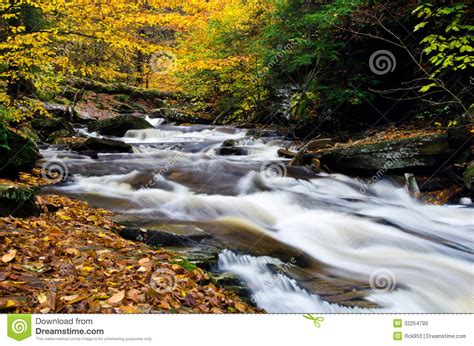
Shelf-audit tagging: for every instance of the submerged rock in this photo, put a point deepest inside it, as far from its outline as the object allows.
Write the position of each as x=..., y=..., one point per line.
x=230, y=148
x=166, y=235
x=119, y=125
x=102, y=145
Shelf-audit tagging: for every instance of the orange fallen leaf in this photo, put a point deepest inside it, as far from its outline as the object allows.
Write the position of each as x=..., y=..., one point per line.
x=9, y=256
x=72, y=251
x=143, y=261
x=116, y=298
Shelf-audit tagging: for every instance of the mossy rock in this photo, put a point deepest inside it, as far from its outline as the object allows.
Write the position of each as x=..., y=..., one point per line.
x=57, y=136
x=469, y=177
x=49, y=129
x=18, y=202
x=17, y=153
x=119, y=125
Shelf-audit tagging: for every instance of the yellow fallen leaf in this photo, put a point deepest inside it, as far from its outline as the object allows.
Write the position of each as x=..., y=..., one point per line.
x=116, y=298
x=63, y=216
x=42, y=298
x=9, y=256
x=240, y=307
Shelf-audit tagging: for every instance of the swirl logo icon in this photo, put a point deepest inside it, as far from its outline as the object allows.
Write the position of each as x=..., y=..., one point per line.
x=271, y=170
x=382, y=62
x=19, y=326
x=54, y=171
x=382, y=281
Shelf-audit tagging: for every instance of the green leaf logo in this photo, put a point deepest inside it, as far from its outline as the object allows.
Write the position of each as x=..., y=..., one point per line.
x=19, y=326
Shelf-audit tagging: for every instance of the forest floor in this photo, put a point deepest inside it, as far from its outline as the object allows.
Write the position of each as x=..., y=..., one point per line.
x=70, y=259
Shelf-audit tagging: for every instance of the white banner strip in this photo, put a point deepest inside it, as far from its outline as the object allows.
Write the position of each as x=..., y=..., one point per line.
x=383, y=329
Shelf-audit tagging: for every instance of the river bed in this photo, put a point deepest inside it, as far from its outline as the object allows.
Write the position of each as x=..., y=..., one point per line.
x=293, y=236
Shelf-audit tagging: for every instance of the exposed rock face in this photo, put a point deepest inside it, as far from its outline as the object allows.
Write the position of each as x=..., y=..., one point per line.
x=102, y=145
x=422, y=153
x=67, y=113
x=119, y=125
x=17, y=153
x=18, y=202
x=181, y=116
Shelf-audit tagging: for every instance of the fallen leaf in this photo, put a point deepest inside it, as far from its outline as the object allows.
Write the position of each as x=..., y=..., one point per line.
x=143, y=261
x=116, y=298
x=72, y=251
x=9, y=256
x=69, y=298
x=42, y=298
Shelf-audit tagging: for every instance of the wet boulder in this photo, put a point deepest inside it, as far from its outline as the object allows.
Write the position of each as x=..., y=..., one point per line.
x=101, y=145
x=230, y=148
x=287, y=154
x=18, y=202
x=166, y=235
x=17, y=153
x=119, y=125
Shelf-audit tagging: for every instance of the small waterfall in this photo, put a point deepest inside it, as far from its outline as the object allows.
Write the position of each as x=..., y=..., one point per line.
x=276, y=293
x=155, y=122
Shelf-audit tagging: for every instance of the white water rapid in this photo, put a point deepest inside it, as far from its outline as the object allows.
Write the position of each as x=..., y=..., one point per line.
x=412, y=257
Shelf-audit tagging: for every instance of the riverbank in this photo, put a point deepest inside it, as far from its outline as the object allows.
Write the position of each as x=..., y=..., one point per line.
x=70, y=259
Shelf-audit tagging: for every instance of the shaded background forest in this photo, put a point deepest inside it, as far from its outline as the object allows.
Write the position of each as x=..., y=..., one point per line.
x=300, y=63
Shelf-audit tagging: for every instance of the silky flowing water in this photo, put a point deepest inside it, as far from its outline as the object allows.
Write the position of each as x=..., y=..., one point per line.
x=412, y=257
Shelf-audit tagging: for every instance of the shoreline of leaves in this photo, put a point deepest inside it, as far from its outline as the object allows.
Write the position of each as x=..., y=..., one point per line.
x=71, y=260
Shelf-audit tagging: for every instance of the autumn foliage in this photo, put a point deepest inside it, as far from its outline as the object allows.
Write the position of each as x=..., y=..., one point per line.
x=70, y=259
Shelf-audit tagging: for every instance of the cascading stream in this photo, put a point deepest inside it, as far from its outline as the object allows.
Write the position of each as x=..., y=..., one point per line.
x=416, y=257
